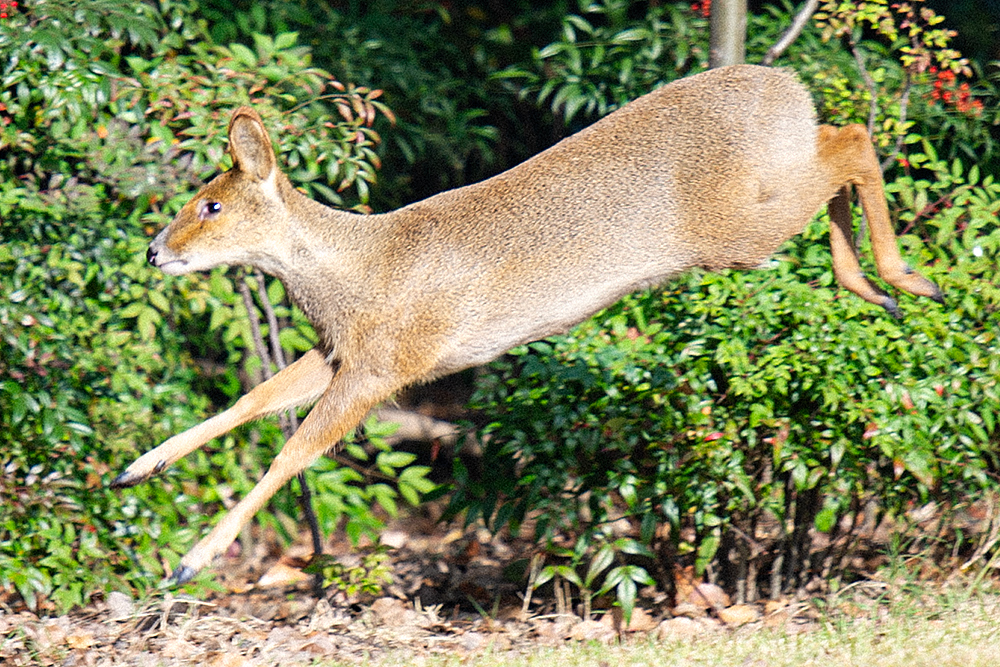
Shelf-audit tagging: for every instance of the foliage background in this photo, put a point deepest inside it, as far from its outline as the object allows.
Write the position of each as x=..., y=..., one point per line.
x=718, y=422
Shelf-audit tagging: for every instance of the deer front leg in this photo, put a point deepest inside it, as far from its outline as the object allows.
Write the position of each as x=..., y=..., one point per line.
x=349, y=397
x=301, y=383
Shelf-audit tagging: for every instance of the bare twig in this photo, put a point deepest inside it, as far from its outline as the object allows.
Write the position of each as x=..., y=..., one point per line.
x=869, y=84
x=272, y=321
x=417, y=427
x=289, y=421
x=258, y=339
x=798, y=25
x=904, y=103
x=872, y=114
x=537, y=561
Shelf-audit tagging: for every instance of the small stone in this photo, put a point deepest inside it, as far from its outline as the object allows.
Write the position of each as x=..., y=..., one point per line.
x=473, y=641
x=228, y=660
x=81, y=639
x=689, y=610
x=547, y=630
x=178, y=649
x=592, y=631
x=641, y=620
x=394, y=539
x=708, y=596
x=681, y=626
x=773, y=606
x=120, y=606
x=739, y=614
x=319, y=644
x=392, y=612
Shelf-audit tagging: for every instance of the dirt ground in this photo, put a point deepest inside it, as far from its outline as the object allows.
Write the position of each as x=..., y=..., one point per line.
x=451, y=593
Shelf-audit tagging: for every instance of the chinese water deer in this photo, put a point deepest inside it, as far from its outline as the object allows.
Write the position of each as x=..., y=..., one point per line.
x=716, y=170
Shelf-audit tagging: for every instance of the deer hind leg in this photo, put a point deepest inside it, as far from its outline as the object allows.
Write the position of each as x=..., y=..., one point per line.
x=850, y=157
x=300, y=383
x=349, y=397
x=846, y=268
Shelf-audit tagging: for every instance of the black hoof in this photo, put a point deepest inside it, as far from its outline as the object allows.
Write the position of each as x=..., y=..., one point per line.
x=183, y=574
x=890, y=305
x=125, y=480
x=938, y=296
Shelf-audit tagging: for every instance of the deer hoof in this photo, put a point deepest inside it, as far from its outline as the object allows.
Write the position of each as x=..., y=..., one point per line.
x=125, y=480
x=183, y=574
x=890, y=305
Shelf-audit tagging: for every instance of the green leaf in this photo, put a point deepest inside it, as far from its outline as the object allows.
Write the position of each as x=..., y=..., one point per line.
x=706, y=552
x=630, y=35
x=387, y=460
x=158, y=300
x=385, y=497
x=602, y=560
x=286, y=40
x=626, y=592
x=243, y=54
x=825, y=520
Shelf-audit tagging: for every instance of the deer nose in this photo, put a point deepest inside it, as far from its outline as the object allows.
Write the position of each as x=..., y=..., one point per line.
x=151, y=255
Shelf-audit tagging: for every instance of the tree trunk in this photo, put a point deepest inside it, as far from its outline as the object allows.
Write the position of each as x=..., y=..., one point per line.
x=728, y=33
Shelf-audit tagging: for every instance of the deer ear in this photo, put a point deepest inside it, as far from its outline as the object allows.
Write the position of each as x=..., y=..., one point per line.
x=249, y=144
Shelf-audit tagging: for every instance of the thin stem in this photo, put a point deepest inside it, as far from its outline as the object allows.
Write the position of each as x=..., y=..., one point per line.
x=255, y=334
x=272, y=320
x=869, y=84
x=798, y=25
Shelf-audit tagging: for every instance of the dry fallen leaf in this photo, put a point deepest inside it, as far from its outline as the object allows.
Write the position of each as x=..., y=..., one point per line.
x=286, y=572
x=81, y=639
x=739, y=614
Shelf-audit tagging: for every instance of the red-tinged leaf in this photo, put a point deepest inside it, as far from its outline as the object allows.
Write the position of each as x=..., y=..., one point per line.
x=898, y=468
x=338, y=85
x=387, y=112
x=714, y=436
x=870, y=431
x=906, y=400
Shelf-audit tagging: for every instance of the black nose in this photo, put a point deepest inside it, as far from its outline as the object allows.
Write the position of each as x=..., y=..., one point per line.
x=151, y=255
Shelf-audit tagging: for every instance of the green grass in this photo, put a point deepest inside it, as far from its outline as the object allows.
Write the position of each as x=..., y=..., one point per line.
x=921, y=631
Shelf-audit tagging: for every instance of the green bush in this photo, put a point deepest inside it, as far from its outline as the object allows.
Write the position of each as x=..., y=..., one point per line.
x=432, y=66
x=604, y=58
x=110, y=117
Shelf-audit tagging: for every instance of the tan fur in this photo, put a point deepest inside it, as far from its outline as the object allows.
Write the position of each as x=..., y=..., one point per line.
x=716, y=171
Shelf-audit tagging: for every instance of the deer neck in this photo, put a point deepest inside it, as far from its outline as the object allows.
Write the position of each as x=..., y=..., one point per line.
x=323, y=263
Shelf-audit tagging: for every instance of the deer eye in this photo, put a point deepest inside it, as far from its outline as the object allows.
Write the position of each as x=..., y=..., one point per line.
x=210, y=209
